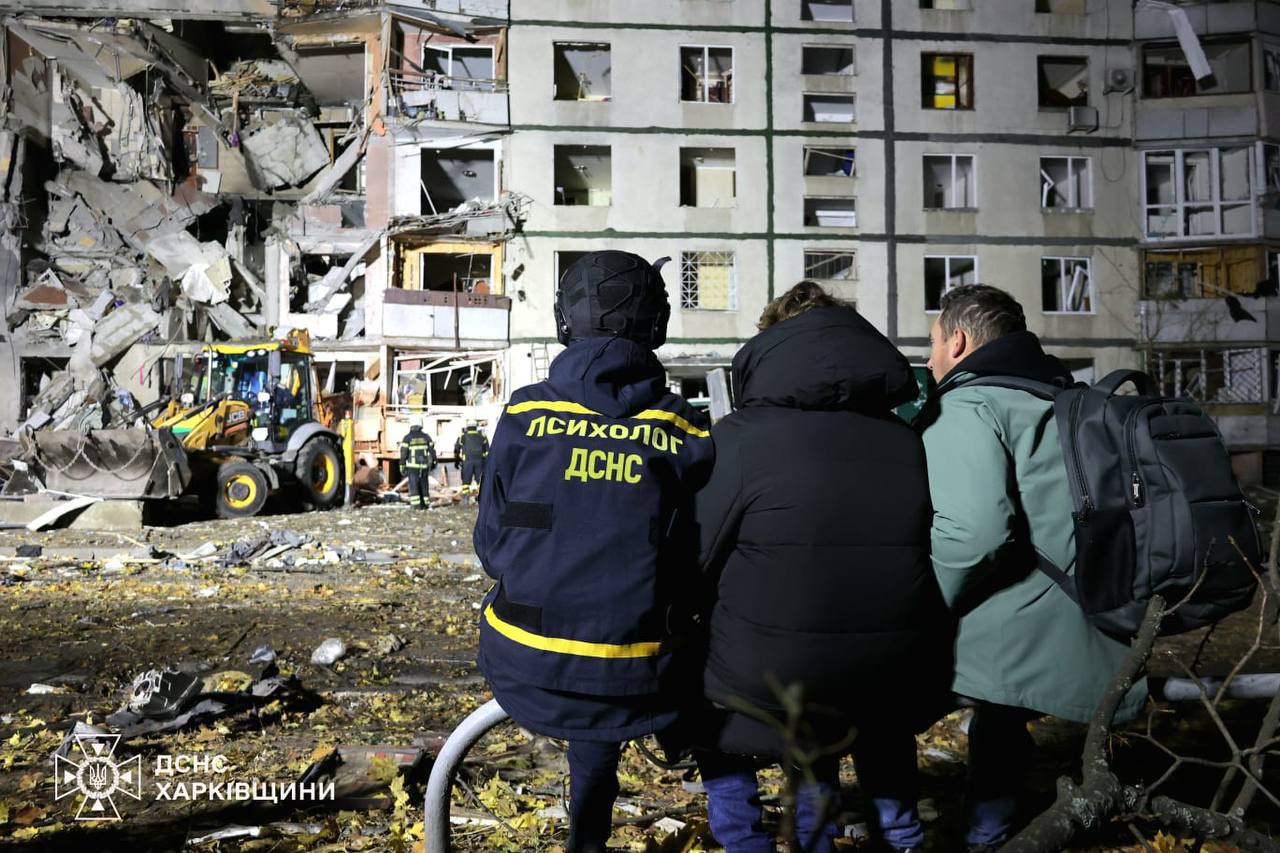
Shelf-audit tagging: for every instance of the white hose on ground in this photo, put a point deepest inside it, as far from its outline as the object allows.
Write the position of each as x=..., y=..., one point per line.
x=440, y=783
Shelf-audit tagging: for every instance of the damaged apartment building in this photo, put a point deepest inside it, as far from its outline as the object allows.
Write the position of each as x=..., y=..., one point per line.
x=177, y=176
x=407, y=180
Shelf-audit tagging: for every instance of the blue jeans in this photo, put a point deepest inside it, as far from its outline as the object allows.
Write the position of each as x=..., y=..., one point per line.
x=737, y=817
x=886, y=766
x=1000, y=753
x=593, y=786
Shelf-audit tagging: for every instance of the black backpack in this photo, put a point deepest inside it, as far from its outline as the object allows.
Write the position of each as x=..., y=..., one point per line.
x=1157, y=508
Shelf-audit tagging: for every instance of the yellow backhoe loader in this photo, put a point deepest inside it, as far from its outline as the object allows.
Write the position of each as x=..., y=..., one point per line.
x=243, y=420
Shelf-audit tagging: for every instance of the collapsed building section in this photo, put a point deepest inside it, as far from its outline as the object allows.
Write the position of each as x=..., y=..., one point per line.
x=312, y=166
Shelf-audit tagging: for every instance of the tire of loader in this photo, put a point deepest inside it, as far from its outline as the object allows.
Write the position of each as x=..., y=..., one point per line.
x=319, y=472
x=241, y=490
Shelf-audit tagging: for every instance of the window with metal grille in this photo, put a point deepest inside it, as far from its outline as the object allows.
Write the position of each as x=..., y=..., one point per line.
x=708, y=281
x=830, y=266
x=1066, y=285
x=1211, y=376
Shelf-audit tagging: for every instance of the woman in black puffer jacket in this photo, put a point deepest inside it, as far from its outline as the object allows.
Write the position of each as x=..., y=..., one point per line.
x=815, y=537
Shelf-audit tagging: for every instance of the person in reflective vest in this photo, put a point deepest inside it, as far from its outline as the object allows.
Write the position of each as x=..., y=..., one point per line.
x=417, y=457
x=586, y=524
x=469, y=453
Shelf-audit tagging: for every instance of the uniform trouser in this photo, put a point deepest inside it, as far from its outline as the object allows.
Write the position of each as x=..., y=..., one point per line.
x=1000, y=755
x=471, y=473
x=419, y=486
x=593, y=786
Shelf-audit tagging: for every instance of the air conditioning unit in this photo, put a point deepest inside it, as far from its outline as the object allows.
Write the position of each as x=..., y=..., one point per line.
x=1082, y=119
x=1118, y=80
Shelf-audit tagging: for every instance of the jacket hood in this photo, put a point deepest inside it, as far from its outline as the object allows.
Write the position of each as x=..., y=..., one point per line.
x=613, y=376
x=1018, y=354
x=825, y=358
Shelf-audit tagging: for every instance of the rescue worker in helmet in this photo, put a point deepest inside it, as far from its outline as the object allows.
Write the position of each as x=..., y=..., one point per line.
x=469, y=453
x=417, y=458
x=586, y=524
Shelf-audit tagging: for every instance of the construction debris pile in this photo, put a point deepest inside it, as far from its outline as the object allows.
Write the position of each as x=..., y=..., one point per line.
x=171, y=182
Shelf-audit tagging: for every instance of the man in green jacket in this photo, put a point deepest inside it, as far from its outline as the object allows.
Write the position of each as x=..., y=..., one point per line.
x=999, y=488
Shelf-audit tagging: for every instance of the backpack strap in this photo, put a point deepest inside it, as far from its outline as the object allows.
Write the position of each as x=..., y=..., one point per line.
x=1045, y=391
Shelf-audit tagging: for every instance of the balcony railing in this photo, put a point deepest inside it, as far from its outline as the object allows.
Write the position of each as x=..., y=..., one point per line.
x=437, y=97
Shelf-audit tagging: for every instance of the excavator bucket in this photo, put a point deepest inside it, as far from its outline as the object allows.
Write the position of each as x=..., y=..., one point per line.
x=128, y=464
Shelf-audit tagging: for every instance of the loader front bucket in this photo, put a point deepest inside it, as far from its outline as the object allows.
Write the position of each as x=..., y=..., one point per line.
x=128, y=464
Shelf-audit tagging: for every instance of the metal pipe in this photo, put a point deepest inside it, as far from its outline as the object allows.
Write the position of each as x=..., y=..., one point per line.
x=1262, y=685
x=440, y=783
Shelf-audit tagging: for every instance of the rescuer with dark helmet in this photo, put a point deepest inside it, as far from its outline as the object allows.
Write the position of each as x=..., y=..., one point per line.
x=417, y=458
x=469, y=453
x=586, y=524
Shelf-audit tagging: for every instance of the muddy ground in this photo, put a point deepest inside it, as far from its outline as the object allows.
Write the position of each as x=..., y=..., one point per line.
x=401, y=589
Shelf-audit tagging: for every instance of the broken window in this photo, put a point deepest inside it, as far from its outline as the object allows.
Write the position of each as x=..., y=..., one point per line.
x=827, y=212
x=828, y=108
x=468, y=67
x=949, y=182
x=824, y=265
x=583, y=71
x=709, y=281
x=1061, y=7
x=708, y=177
x=1197, y=193
x=564, y=260
x=1269, y=161
x=706, y=74
x=1066, y=285
x=830, y=11
x=954, y=5
x=1063, y=81
x=1271, y=68
x=463, y=272
x=1167, y=74
x=1211, y=375
x=37, y=373
x=1066, y=183
x=832, y=162
x=583, y=175
x=1200, y=273
x=942, y=273
x=451, y=176
x=829, y=59
x=946, y=81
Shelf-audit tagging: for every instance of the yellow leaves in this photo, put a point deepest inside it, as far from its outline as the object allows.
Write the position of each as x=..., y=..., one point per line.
x=498, y=797
x=28, y=781
x=16, y=740
x=1166, y=843
x=28, y=814
x=383, y=769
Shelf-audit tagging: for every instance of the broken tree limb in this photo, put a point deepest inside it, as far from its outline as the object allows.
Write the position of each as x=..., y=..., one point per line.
x=336, y=280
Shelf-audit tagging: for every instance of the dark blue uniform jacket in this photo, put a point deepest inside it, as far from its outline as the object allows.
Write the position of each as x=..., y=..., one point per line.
x=586, y=525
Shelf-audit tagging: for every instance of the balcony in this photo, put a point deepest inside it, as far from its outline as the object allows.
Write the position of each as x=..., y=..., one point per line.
x=436, y=97
x=472, y=318
x=1222, y=320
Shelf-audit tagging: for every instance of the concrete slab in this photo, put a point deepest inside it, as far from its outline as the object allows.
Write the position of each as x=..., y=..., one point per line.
x=110, y=515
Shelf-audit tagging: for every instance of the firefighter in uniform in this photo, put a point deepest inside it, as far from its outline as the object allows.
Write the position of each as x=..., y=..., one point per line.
x=469, y=453
x=585, y=522
x=417, y=457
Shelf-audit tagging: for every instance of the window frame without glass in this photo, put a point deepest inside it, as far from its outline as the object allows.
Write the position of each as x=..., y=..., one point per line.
x=1076, y=186
x=970, y=187
x=947, y=275
x=1063, y=297
x=1180, y=208
x=964, y=93
x=832, y=260
x=728, y=78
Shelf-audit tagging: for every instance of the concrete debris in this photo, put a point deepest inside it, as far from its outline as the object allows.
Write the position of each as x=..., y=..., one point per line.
x=329, y=652
x=283, y=154
x=179, y=193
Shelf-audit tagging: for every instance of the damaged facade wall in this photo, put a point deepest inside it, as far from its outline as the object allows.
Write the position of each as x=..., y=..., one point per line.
x=190, y=180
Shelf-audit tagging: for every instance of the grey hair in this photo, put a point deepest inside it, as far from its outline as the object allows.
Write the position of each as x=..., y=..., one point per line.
x=985, y=313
